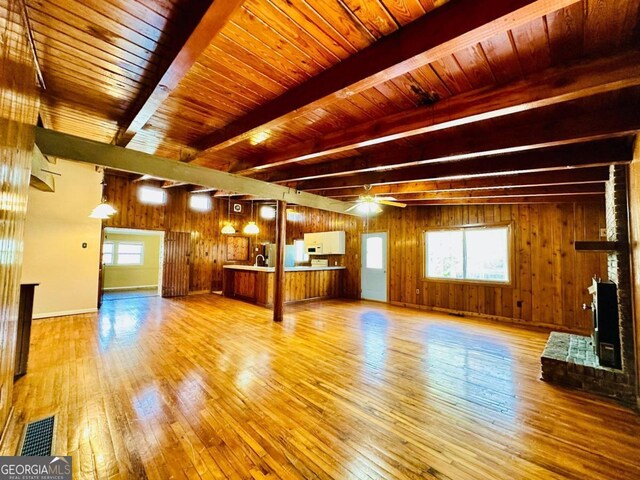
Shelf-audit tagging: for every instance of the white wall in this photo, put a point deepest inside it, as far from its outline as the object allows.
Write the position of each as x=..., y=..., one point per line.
x=122, y=277
x=57, y=225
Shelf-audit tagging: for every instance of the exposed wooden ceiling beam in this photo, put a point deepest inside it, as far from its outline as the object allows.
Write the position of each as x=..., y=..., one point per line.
x=470, y=141
x=71, y=147
x=213, y=20
x=514, y=200
x=448, y=29
x=572, y=189
x=602, y=152
x=552, y=86
x=171, y=184
x=531, y=179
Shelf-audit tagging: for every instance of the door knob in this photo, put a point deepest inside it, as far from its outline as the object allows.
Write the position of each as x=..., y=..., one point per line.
x=586, y=307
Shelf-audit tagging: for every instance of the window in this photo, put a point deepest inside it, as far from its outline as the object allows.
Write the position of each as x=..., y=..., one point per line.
x=472, y=253
x=301, y=254
x=373, y=253
x=129, y=253
x=267, y=212
x=107, y=253
x=200, y=202
x=122, y=253
x=152, y=195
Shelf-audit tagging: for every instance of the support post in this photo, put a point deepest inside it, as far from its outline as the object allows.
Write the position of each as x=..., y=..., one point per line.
x=281, y=235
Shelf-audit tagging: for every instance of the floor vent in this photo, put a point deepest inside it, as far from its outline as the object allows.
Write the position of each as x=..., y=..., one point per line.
x=38, y=438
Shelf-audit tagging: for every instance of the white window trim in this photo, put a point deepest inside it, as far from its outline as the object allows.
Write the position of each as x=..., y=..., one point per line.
x=464, y=280
x=115, y=254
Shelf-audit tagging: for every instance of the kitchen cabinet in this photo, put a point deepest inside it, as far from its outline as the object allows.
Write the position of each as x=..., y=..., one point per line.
x=325, y=243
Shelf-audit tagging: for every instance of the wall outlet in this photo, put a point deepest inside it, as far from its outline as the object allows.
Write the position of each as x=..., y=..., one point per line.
x=417, y=291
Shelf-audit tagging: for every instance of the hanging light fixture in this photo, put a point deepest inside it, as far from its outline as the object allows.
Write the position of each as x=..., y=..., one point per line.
x=251, y=228
x=104, y=210
x=228, y=228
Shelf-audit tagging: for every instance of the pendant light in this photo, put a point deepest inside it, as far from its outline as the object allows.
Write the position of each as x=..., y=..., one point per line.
x=251, y=228
x=104, y=210
x=228, y=228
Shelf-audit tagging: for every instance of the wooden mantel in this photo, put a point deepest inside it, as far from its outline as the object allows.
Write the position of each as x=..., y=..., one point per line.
x=598, y=246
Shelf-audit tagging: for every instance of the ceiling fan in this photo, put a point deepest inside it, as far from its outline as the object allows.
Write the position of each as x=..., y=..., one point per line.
x=368, y=204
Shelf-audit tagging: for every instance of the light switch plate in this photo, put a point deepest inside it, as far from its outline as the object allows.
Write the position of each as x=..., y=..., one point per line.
x=603, y=232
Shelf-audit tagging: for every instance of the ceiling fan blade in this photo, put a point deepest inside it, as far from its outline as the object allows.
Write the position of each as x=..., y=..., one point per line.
x=393, y=204
x=391, y=199
x=352, y=207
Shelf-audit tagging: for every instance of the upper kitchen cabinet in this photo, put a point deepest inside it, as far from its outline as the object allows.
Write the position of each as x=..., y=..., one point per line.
x=325, y=243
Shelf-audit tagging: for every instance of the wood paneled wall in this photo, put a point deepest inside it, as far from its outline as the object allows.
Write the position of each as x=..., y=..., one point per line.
x=550, y=278
x=18, y=112
x=207, y=250
x=208, y=245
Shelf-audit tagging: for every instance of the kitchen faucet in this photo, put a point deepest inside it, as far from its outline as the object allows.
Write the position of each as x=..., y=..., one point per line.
x=256, y=264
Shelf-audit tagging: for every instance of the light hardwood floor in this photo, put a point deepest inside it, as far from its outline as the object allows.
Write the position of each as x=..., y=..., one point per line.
x=208, y=387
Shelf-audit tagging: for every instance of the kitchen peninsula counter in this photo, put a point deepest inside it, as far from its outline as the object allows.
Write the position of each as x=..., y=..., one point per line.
x=255, y=284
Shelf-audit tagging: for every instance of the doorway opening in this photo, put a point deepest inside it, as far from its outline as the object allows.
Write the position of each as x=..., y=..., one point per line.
x=132, y=263
x=373, y=272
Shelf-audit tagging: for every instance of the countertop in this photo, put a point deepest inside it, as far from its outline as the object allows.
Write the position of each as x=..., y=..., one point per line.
x=286, y=269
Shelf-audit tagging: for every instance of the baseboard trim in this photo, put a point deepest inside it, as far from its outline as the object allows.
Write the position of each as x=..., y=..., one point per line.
x=494, y=318
x=135, y=287
x=65, y=313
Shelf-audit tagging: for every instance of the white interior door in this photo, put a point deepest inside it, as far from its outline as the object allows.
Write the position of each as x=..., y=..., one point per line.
x=374, y=266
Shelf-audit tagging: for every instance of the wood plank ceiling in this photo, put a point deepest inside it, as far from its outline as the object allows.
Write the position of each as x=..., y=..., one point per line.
x=568, y=79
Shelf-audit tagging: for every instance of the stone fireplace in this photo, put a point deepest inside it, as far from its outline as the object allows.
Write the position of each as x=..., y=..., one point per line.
x=569, y=359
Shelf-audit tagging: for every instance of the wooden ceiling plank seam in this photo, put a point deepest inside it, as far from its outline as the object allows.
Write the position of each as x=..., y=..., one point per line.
x=92, y=54
x=375, y=16
x=146, y=14
x=98, y=22
x=358, y=21
x=332, y=13
x=552, y=86
x=532, y=46
x=349, y=80
x=79, y=149
x=121, y=15
x=566, y=33
x=394, y=93
x=240, y=53
x=230, y=66
x=263, y=45
x=219, y=85
x=405, y=11
x=76, y=63
x=298, y=17
x=408, y=86
x=502, y=58
x=300, y=40
x=210, y=24
x=275, y=19
x=426, y=75
x=159, y=7
x=126, y=50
